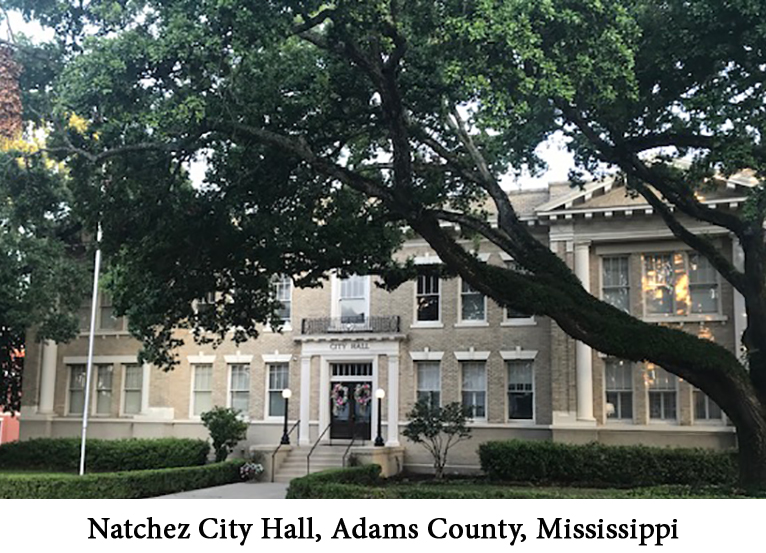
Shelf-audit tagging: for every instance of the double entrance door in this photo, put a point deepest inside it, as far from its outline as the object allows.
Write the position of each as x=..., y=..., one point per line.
x=351, y=401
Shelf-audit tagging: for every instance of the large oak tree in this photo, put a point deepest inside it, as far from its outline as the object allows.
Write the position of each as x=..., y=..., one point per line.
x=331, y=130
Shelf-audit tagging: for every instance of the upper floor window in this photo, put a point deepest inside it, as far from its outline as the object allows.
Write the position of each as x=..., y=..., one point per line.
x=427, y=298
x=353, y=299
x=283, y=287
x=239, y=387
x=473, y=304
x=511, y=313
x=615, y=283
x=105, y=317
x=679, y=284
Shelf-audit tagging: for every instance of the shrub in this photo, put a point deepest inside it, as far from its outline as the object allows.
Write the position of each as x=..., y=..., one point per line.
x=597, y=464
x=306, y=487
x=119, y=485
x=226, y=429
x=63, y=454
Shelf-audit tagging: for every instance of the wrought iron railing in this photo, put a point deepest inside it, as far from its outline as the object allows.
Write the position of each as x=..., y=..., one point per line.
x=274, y=453
x=308, y=457
x=332, y=325
x=348, y=449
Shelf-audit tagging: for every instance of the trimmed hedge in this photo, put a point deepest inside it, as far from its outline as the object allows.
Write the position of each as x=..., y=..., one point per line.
x=318, y=484
x=601, y=465
x=63, y=454
x=118, y=485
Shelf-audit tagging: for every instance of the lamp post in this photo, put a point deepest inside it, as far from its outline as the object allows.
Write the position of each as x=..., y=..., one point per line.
x=286, y=393
x=380, y=393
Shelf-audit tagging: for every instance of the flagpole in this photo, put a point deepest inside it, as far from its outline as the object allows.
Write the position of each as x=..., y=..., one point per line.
x=91, y=340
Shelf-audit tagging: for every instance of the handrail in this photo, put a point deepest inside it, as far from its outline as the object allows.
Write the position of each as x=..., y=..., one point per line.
x=348, y=448
x=274, y=453
x=308, y=457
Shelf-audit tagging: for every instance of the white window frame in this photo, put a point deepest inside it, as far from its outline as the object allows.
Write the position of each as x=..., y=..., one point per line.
x=632, y=390
x=513, y=321
x=716, y=283
x=603, y=287
x=271, y=363
x=121, y=327
x=416, y=323
x=94, y=404
x=706, y=421
x=438, y=366
x=508, y=363
x=460, y=293
x=287, y=324
x=230, y=391
x=192, y=401
x=336, y=283
x=649, y=391
x=483, y=363
x=68, y=399
x=125, y=390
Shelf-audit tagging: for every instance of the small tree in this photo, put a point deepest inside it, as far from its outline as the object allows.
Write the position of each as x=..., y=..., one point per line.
x=226, y=430
x=438, y=429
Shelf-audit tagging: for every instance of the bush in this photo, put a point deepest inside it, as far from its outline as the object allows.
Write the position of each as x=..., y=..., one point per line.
x=226, y=429
x=119, y=485
x=63, y=454
x=601, y=465
x=321, y=483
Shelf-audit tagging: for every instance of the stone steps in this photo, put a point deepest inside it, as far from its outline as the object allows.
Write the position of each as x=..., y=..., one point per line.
x=323, y=458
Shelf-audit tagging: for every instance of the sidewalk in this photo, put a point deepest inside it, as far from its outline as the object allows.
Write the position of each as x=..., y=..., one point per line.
x=260, y=490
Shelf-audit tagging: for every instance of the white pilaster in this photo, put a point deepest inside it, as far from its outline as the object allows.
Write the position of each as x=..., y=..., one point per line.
x=583, y=353
x=740, y=312
x=324, y=397
x=393, y=401
x=48, y=376
x=305, y=400
x=145, y=388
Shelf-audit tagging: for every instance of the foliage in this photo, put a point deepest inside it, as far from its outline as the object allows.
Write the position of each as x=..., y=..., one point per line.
x=438, y=429
x=118, y=485
x=226, y=429
x=251, y=471
x=602, y=465
x=305, y=487
x=63, y=454
x=373, y=120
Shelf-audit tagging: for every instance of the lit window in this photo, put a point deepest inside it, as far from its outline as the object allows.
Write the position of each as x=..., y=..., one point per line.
x=278, y=381
x=618, y=386
x=133, y=389
x=239, y=387
x=679, y=284
x=76, y=389
x=615, y=282
x=662, y=393
x=520, y=389
x=104, y=389
x=429, y=383
x=473, y=305
x=474, y=389
x=427, y=298
x=703, y=285
x=203, y=389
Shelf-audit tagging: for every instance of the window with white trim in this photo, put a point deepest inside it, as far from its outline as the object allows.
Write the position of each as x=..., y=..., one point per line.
x=104, y=379
x=279, y=379
x=521, y=388
x=615, y=282
x=705, y=409
x=618, y=389
x=283, y=289
x=474, y=388
x=429, y=383
x=473, y=304
x=427, y=298
x=202, y=395
x=239, y=387
x=353, y=299
x=703, y=285
x=662, y=391
x=76, y=389
x=679, y=284
x=511, y=313
x=133, y=389
x=107, y=319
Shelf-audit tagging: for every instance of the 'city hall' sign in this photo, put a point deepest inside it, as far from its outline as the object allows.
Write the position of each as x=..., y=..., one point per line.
x=350, y=345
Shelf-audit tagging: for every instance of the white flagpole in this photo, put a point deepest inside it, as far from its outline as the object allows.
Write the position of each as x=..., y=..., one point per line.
x=91, y=339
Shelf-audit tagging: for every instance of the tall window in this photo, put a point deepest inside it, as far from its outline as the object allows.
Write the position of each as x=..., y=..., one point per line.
x=615, y=282
x=427, y=298
x=662, y=393
x=429, y=383
x=520, y=389
x=104, y=389
x=618, y=386
x=107, y=320
x=511, y=313
x=473, y=305
x=705, y=409
x=76, y=389
x=703, y=285
x=203, y=389
x=283, y=286
x=475, y=388
x=133, y=389
x=278, y=381
x=353, y=299
x=679, y=284
x=239, y=387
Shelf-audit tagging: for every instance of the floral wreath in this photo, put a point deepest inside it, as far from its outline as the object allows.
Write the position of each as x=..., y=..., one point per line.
x=339, y=396
x=363, y=394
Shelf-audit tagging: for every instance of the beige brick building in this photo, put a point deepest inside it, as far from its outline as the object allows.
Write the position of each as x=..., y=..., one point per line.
x=438, y=339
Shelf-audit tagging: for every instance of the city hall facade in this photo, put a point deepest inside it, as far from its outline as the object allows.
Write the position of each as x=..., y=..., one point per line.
x=432, y=338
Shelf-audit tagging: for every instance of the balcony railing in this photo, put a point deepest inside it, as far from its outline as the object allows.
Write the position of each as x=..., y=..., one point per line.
x=333, y=325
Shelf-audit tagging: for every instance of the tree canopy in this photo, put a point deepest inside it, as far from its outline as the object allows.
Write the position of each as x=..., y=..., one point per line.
x=332, y=130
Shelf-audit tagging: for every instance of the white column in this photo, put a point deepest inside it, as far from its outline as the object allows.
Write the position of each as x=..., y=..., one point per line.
x=393, y=401
x=324, y=397
x=146, y=375
x=305, y=400
x=740, y=312
x=583, y=354
x=48, y=376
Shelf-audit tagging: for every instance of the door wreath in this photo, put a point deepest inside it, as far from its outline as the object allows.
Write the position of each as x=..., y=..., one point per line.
x=339, y=397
